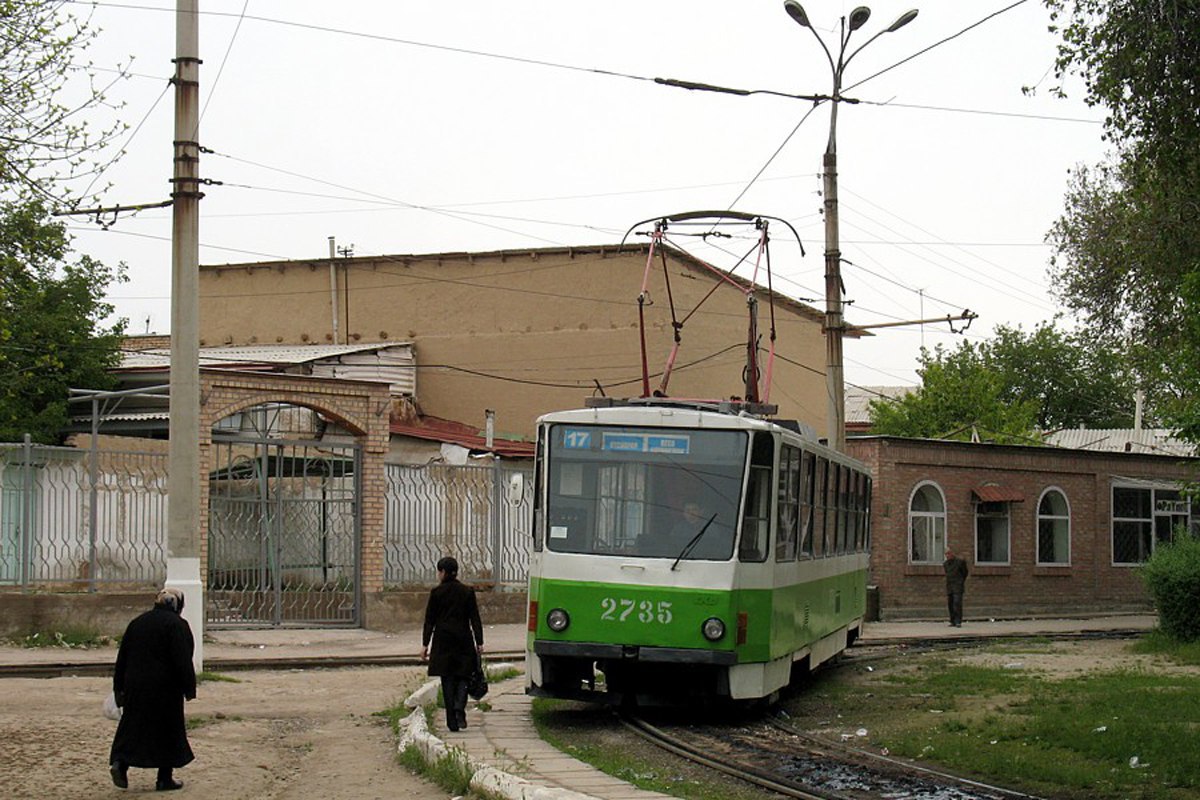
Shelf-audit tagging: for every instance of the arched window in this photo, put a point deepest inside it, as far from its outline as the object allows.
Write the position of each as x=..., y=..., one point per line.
x=1053, y=528
x=927, y=525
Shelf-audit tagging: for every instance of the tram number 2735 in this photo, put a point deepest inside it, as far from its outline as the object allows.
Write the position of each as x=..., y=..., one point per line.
x=618, y=609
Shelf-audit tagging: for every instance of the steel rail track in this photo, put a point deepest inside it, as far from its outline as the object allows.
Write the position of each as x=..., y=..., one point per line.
x=751, y=775
x=886, y=771
x=897, y=765
x=105, y=668
x=860, y=651
x=858, y=654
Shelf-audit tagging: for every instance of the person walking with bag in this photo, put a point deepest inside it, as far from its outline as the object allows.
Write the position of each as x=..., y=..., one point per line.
x=452, y=623
x=152, y=679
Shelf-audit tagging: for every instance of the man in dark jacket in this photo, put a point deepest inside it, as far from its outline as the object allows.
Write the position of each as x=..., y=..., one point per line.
x=956, y=583
x=452, y=622
x=153, y=677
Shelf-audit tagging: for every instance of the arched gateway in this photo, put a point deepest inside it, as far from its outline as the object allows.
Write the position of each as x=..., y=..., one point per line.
x=292, y=471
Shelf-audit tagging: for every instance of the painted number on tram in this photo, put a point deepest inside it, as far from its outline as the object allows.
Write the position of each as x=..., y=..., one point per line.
x=619, y=609
x=574, y=439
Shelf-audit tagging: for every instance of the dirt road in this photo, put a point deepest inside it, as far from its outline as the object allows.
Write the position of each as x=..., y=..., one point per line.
x=277, y=735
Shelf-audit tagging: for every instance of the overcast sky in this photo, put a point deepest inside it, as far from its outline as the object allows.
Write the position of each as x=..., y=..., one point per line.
x=415, y=127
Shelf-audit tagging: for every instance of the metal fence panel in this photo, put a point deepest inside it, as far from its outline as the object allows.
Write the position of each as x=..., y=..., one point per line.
x=72, y=518
x=441, y=509
x=80, y=517
x=283, y=544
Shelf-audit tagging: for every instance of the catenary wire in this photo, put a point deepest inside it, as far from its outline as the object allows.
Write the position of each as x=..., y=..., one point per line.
x=936, y=44
x=221, y=69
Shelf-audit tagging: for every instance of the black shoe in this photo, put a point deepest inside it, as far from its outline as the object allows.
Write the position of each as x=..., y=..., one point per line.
x=168, y=785
x=120, y=775
x=462, y=721
x=453, y=727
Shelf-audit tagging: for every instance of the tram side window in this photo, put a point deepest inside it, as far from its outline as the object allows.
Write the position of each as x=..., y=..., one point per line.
x=853, y=488
x=756, y=517
x=831, y=510
x=789, y=504
x=820, y=473
x=843, y=498
x=807, y=481
x=860, y=511
x=867, y=494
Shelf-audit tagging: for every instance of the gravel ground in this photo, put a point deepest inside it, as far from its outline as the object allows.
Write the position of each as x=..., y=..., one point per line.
x=279, y=735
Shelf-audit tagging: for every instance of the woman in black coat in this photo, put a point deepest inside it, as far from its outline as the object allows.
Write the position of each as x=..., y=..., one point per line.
x=452, y=622
x=153, y=677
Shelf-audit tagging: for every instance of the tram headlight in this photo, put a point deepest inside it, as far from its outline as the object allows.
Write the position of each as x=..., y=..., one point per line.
x=558, y=620
x=713, y=629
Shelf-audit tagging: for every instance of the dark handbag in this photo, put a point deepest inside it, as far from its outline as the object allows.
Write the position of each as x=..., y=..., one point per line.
x=477, y=685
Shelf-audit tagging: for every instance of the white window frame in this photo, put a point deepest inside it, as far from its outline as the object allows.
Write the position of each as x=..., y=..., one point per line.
x=1037, y=528
x=1007, y=533
x=937, y=557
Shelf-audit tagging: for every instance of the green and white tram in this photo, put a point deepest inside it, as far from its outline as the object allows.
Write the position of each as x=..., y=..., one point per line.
x=689, y=551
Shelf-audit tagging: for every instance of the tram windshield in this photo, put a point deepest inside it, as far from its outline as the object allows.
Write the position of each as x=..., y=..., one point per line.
x=644, y=492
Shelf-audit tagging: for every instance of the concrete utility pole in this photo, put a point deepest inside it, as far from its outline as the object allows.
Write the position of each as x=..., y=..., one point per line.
x=183, y=480
x=834, y=324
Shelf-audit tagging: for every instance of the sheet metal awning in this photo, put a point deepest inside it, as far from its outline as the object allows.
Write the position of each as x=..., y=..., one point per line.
x=994, y=493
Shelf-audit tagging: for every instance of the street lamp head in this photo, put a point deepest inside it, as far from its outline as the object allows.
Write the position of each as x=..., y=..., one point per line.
x=902, y=20
x=859, y=17
x=796, y=12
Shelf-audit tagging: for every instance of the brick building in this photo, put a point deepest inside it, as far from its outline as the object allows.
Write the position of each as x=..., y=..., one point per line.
x=1045, y=530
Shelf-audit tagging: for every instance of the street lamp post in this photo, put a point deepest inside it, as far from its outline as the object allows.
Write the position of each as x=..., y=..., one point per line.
x=834, y=325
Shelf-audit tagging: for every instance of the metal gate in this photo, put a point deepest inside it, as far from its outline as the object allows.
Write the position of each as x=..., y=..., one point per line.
x=284, y=532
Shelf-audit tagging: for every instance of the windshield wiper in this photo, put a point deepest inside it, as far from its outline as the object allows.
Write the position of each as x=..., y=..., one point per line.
x=687, y=548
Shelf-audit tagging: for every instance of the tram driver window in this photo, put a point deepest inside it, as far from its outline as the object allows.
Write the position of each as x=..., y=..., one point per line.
x=756, y=517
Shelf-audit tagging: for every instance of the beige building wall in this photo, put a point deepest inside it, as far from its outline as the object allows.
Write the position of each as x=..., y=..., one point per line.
x=523, y=332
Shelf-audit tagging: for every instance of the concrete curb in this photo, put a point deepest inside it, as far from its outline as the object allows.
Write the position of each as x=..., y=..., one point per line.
x=414, y=731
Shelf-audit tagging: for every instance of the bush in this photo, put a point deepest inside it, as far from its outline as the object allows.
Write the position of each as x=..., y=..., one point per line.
x=1172, y=576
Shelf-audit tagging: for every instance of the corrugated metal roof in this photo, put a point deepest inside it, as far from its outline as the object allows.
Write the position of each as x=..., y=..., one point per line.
x=445, y=430
x=858, y=400
x=392, y=363
x=248, y=356
x=1149, y=441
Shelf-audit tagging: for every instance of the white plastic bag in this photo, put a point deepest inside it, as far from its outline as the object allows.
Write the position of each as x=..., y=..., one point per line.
x=111, y=709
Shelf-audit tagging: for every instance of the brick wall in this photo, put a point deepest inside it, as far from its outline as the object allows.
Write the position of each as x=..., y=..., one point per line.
x=1089, y=583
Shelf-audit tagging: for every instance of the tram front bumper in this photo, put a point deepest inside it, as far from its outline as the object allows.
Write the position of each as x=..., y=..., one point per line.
x=647, y=653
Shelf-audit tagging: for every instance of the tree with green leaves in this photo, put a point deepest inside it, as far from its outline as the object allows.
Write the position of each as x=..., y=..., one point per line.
x=1074, y=377
x=959, y=398
x=1013, y=385
x=52, y=336
x=52, y=305
x=1128, y=242
x=47, y=92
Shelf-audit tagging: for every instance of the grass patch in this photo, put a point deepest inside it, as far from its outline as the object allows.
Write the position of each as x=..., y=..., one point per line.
x=394, y=714
x=74, y=638
x=451, y=772
x=1069, y=738
x=496, y=676
x=201, y=720
x=1156, y=642
x=215, y=677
